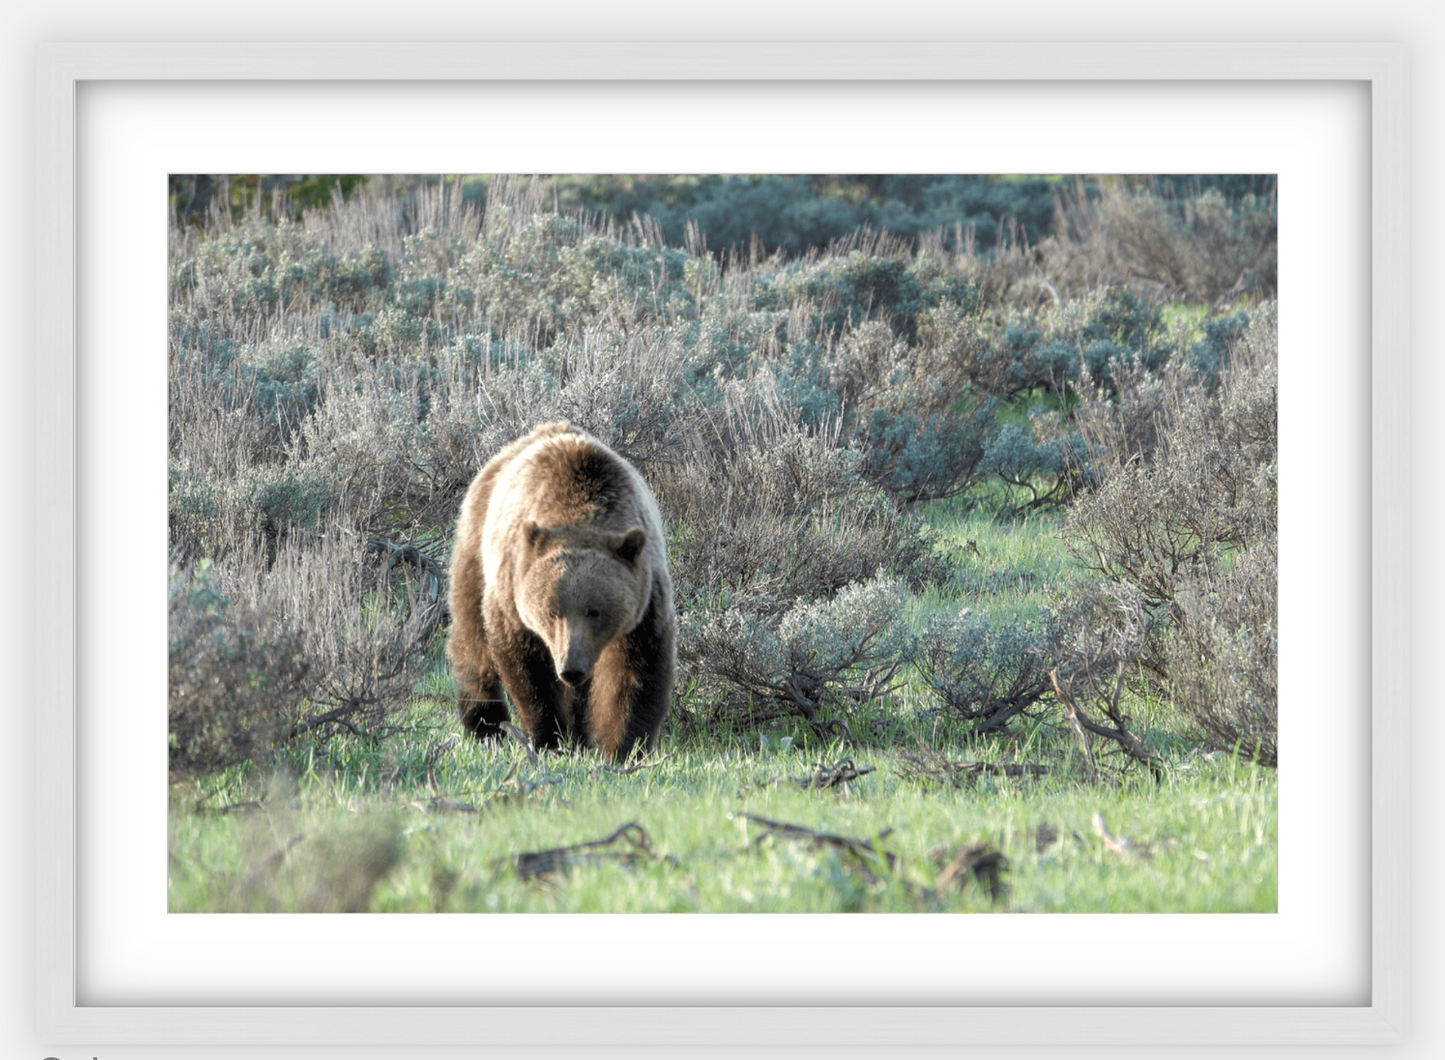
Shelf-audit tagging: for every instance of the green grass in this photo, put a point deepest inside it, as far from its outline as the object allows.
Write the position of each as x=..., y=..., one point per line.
x=1006, y=567
x=426, y=820
x=1204, y=838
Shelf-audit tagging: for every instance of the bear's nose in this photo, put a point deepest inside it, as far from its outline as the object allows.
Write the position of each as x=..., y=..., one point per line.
x=573, y=678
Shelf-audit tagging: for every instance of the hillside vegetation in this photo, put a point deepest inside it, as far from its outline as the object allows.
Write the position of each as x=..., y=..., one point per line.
x=982, y=492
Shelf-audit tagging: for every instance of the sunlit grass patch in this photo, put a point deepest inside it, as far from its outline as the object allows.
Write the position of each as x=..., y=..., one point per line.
x=455, y=838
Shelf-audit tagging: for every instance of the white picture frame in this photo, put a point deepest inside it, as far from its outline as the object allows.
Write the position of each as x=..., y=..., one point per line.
x=62, y=68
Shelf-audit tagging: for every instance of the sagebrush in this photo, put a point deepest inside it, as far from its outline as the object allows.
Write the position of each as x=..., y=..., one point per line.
x=341, y=365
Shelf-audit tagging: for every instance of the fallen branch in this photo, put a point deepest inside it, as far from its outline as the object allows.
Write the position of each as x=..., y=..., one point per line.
x=512, y=785
x=521, y=737
x=987, y=866
x=935, y=765
x=826, y=776
x=1121, y=847
x=548, y=864
x=442, y=805
x=861, y=849
x=234, y=807
x=627, y=771
x=1125, y=846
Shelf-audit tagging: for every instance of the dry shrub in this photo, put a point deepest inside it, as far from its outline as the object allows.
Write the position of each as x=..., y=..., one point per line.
x=628, y=388
x=1208, y=486
x=238, y=677
x=1205, y=250
x=1124, y=234
x=912, y=406
x=1102, y=629
x=1222, y=654
x=1188, y=526
x=774, y=531
x=1008, y=275
x=817, y=654
x=983, y=671
x=1121, y=428
x=773, y=512
x=331, y=633
x=367, y=635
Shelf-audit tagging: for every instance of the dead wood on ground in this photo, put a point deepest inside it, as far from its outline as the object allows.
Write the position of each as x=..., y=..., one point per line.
x=547, y=865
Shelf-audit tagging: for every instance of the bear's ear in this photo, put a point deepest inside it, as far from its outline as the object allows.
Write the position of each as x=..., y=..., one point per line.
x=536, y=535
x=628, y=546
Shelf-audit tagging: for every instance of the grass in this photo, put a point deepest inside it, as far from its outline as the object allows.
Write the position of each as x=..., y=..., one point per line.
x=1006, y=567
x=402, y=838
x=428, y=821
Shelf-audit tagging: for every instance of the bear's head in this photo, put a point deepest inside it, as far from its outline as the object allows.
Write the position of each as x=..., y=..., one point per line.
x=580, y=592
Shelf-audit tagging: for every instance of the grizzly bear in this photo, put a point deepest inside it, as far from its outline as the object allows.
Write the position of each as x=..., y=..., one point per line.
x=560, y=594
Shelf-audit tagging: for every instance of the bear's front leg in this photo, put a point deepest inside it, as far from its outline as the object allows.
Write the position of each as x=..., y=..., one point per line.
x=631, y=690
x=480, y=704
x=479, y=689
x=537, y=695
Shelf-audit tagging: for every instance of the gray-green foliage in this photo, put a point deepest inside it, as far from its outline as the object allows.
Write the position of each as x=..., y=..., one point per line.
x=388, y=326
x=798, y=660
x=315, y=633
x=1189, y=525
x=238, y=676
x=796, y=213
x=987, y=670
x=341, y=374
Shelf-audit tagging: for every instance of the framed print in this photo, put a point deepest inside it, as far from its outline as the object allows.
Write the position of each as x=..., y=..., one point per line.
x=1328, y=965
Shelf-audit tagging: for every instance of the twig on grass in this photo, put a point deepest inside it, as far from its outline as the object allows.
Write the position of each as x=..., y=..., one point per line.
x=511, y=785
x=1126, y=846
x=985, y=863
x=547, y=865
x=825, y=776
x=521, y=737
x=262, y=874
x=1122, y=847
x=935, y=765
x=627, y=771
x=434, y=753
x=235, y=807
x=861, y=849
x=442, y=805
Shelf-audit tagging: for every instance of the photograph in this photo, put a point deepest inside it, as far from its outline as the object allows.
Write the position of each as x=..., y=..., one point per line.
x=722, y=543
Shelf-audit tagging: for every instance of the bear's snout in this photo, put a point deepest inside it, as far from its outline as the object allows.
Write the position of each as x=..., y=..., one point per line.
x=573, y=678
x=576, y=666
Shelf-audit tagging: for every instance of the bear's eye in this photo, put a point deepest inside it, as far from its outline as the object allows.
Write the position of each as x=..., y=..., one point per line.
x=593, y=613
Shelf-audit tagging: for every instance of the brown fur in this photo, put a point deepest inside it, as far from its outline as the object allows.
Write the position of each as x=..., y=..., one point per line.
x=560, y=594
